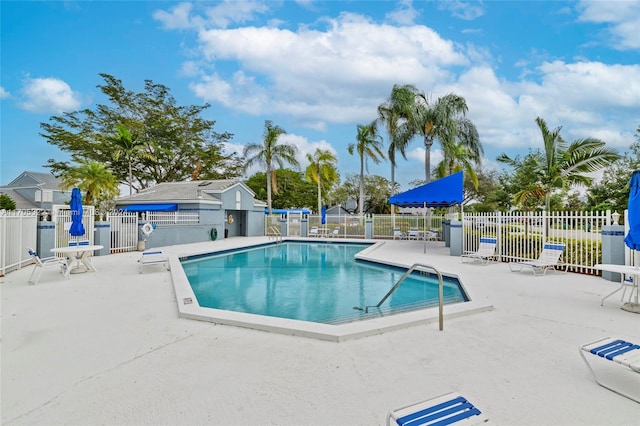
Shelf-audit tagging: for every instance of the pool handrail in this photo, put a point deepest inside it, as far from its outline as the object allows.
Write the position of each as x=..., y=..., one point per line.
x=403, y=277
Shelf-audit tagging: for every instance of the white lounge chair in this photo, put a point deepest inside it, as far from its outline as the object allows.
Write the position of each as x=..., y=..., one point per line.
x=550, y=259
x=313, y=232
x=398, y=234
x=450, y=408
x=155, y=257
x=52, y=262
x=336, y=232
x=620, y=352
x=485, y=253
x=432, y=235
x=414, y=234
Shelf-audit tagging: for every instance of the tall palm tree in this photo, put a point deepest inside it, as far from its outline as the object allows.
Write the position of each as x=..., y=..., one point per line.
x=458, y=157
x=269, y=154
x=321, y=170
x=394, y=114
x=127, y=146
x=94, y=179
x=445, y=121
x=562, y=165
x=368, y=146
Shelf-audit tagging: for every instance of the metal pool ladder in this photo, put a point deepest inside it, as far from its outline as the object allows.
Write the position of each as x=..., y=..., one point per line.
x=406, y=274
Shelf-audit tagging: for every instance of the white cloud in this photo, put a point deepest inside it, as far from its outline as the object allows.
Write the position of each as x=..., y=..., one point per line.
x=4, y=94
x=221, y=15
x=466, y=10
x=49, y=95
x=405, y=14
x=623, y=18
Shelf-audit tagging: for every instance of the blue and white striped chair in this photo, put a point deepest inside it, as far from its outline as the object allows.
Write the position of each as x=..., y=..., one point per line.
x=486, y=251
x=550, y=259
x=445, y=409
x=46, y=263
x=153, y=257
x=618, y=351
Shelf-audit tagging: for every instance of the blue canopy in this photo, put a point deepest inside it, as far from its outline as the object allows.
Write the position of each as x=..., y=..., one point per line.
x=444, y=192
x=150, y=208
x=77, y=228
x=632, y=240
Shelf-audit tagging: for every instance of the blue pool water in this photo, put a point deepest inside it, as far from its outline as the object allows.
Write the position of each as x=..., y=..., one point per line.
x=318, y=282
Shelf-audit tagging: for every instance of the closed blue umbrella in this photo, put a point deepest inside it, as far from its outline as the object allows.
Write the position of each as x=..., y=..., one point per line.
x=632, y=240
x=324, y=215
x=77, y=228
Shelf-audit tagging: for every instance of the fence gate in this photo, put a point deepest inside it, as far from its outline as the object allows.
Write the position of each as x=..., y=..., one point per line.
x=124, y=231
x=17, y=232
x=62, y=220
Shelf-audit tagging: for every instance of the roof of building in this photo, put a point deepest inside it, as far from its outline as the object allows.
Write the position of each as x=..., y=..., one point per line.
x=41, y=180
x=184, y=191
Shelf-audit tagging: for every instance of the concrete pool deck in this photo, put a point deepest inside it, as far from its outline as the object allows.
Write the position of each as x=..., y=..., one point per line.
x=109, y=348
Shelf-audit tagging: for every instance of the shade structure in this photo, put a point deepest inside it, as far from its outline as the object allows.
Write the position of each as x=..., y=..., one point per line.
x=77, y=228
x=445, y=192
x=632, y=240
x=323, y=217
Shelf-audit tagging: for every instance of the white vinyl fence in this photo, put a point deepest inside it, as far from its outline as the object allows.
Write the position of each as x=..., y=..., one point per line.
x=61, y=216
x=124, y=231
x=17, y=233
x=521, y=235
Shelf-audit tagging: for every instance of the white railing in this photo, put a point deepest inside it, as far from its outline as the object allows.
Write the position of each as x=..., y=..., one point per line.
x=124, y=231
x=17, y=232
x=521, y=234
x=61, y=216
x=171, y=218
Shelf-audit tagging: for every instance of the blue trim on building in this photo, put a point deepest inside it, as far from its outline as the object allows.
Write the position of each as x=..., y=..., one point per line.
x=613, y=233
x=456, y=225
x=102, y=225
x=47, y=226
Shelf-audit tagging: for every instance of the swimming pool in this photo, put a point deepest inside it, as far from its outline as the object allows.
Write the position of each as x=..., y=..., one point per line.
x=310, y=281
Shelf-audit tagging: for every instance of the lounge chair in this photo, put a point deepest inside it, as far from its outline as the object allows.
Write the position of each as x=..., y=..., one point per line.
x=414, y=234
x=486, y=251
x=153, y=258
x=313, y=232
x=445, y=409
x=336, y=232
x=550, y=259
x=620, y=352
x=432, y=235
x=398, y=234
x=46, y=263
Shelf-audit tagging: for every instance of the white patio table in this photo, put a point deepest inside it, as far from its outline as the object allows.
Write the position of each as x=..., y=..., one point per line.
x=628, y=270
x=81, y=254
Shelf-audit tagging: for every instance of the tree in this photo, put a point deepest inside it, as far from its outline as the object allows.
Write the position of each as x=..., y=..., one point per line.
x=444, y=120
x=612, y=192
x=394, y=114
x=295, y=190
x=322, y=171
x=377, y=191
x=174, y=136
x=368, y=146
x=129, y=148
x=7, y=203
x=457, y=157
x=560, y=166
x=94, y=179
x=269, y=154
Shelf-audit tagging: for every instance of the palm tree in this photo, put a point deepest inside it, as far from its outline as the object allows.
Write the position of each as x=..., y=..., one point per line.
x=321, y=170
x=560, y=165
x=369, y=146
x=445, y=121
x=269, y=154
x=94, y=179
x=394, y=114
x=127, y=145
x=458, y=157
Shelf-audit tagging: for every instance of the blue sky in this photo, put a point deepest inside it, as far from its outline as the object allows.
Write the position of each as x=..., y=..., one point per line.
x=320, y=68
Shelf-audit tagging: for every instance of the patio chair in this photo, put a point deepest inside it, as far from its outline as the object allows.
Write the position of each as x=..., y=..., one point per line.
x=313, y=232
x=550, y=259
x=153, y=258
x=485, y=253
x=432, y=235
x=445, y=409
x=46, y=263
x=398, y=234
x=336, y=232
x=620, y=353
x=414, y=234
